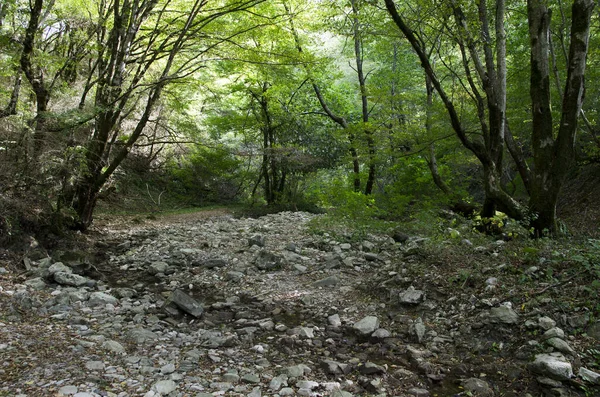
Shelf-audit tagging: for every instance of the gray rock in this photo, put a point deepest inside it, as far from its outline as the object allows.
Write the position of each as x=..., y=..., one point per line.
x=67, y=390
x=340, y=393
x=553, y=365
x=419, y=329
x=367, y=246
x=327, y=282
x=334, y=368
x=256, y=392
x=300, y=268
x=121, y=293
x=269, y=261
x=561, y=346
x=23, y=302
x=94, y=365
x=113, y=346
x=366, y=326
x=292, y=247
x=36, y=283
x=334, y=320
x=164, y=387
x=221, y=386
x=593, y=330
x=167, y=369
x=158, y=267
x=400, y=237
x=257, y=240
x=307, y=384
x=554, y=333
x=371, y=257
x=381, y=333
x=546, y=323
x=251, y=378
x=589, y=376
x=297, y=371
x=234, y=276
x=141, y=335
x=503, y=314
x=3, y=270
x=417, y=392
x=412, y=296
x=579, y=321
x=186, y=303
x=278, y=382
x=231, y=377
x=71, y=279
x=267, y=325
x=59, y=267
x=478, y=387
x=304, y=332
x=101, y=298
x=287, y=391
x=370, y=368
x=214, y=262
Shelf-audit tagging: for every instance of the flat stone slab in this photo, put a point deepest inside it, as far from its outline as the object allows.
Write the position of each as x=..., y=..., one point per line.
x=187, y=303
x=73, y=280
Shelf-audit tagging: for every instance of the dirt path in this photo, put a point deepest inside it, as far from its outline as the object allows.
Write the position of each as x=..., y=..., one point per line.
x=204, y=304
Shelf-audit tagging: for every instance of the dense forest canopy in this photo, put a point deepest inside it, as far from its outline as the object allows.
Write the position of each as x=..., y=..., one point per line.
x=369, y=106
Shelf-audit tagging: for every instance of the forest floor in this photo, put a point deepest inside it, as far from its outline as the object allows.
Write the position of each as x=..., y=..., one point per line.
x=208, y=304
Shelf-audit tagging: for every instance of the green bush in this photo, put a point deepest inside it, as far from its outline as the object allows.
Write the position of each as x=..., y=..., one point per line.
x=205, y=175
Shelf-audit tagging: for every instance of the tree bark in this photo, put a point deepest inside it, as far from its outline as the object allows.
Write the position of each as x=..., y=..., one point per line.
x=554, y=157
x=362, y=82
x=11, y=107
x=35, y=77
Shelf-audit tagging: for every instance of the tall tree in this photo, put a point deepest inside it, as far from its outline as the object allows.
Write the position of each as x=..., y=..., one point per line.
x=552, y=158
x=143, y=46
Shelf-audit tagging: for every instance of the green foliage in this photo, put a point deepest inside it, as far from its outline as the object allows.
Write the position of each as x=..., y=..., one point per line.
x=205, y=175
x=587, y=259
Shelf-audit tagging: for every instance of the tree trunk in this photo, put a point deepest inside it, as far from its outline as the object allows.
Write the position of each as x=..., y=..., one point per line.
x=358, y=56
x=11, y=107
x=488, y=152
x=554, y=157
x=35, y=78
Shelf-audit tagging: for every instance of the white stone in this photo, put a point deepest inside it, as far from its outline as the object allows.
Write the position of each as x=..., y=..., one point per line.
x=553, y=366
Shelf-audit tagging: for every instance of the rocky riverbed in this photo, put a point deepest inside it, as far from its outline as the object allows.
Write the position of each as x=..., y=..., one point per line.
x=220, y=306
